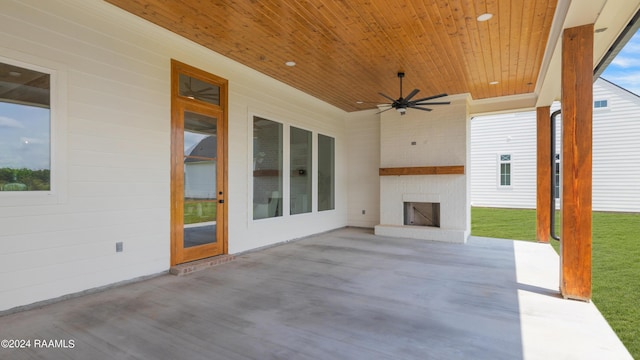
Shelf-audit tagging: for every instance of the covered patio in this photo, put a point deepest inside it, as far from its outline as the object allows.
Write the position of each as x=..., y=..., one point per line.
x=344, y=294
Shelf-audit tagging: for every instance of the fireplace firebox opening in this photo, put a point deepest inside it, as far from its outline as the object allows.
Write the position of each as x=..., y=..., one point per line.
x=422, y=214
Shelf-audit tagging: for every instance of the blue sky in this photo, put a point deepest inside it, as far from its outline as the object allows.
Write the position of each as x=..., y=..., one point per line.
x=624, y=70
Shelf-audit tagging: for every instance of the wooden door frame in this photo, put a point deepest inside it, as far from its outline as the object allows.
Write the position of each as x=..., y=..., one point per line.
x=177, y=103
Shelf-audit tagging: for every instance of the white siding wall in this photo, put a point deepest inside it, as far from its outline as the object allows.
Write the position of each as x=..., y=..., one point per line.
x=616, y=150
x=112, y=144
x=616, y=154
x=363, y=129
x=491, y=136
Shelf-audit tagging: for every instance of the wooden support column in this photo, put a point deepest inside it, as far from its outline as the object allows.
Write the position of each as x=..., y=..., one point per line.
x=544, y=173
x=577, y=112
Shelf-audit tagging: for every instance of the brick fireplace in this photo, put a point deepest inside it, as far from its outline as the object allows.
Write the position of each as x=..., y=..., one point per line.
x=424, y=160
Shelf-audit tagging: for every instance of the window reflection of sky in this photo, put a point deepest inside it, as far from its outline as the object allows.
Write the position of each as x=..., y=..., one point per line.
x=24, y=136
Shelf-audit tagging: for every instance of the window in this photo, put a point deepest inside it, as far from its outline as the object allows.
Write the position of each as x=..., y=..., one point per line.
x=309, y=180
x=556, y=191
x=267, y=168
x=326, y=173
x=194, y=88
x=25, y=129
x=505, y=170
x=300, y=171
x=598, y=104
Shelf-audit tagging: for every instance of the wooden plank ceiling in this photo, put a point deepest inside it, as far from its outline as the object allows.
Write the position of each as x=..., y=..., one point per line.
x=348, y=51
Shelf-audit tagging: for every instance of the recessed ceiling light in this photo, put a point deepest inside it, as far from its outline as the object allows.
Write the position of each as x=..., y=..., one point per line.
x=600, y=30
x=494, y=83
x=290, y=63
x=14, y=73
x=484, y=17
x=358, y=102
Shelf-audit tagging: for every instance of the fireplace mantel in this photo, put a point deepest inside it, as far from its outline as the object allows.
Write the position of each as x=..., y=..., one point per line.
x=423, y=170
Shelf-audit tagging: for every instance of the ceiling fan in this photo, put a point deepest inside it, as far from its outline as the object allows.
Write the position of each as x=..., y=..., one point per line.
x=402, y=104
x=208, y=94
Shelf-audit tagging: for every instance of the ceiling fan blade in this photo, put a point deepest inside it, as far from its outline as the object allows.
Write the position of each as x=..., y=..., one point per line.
x=392, y=100
x=205, y=90
x=421, y=108
x=429, y=98
x=384, y=110
x=411, y=94
x=432, y=103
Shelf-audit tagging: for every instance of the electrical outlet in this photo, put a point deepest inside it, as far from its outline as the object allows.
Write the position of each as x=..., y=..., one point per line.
x=119, y=246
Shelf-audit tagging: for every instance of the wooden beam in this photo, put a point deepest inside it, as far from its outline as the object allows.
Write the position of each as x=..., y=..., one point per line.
x=577, y=112
x=423, y=170
x=544, y=173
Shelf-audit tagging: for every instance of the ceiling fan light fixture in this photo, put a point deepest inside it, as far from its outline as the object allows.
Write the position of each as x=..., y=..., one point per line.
x=402, y=110
x=484, y=17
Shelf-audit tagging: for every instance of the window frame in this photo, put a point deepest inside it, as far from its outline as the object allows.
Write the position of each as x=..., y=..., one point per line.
x=597, y=103
x=284, y=164
x=333, y=174
x=310, y=172
x=287, y=124
x=501, y=162
x=57, y=192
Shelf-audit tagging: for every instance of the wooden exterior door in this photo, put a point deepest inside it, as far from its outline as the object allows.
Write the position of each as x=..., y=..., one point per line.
x=198, y=164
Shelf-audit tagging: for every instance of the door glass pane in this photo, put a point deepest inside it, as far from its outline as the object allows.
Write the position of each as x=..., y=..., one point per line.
x=267, y=168
x=200, y=169
x=300, y=180
x=199, y=90
x=326, y=173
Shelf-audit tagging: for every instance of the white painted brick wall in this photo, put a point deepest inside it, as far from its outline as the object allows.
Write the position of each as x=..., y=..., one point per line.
x=441, y=139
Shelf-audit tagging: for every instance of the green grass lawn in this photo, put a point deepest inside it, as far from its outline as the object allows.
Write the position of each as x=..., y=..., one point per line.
x=616, y=261
x=199, y=211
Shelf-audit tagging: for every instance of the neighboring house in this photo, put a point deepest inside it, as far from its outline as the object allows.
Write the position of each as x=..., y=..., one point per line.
x=503, y=154
x=199, y=171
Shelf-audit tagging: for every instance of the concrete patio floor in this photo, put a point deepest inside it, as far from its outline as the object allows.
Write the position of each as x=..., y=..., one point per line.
x=346, y=294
